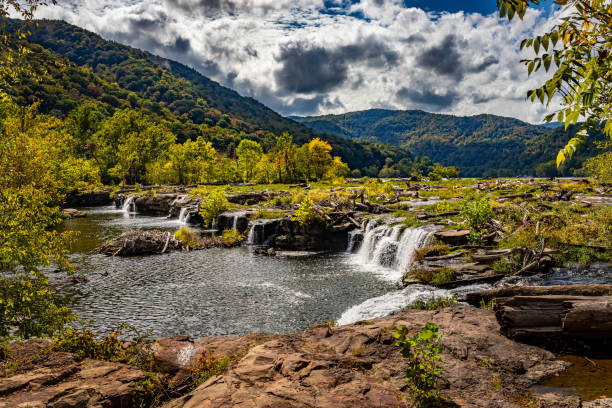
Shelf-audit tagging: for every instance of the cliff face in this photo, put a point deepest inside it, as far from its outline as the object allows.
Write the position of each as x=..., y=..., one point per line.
x=356, y=365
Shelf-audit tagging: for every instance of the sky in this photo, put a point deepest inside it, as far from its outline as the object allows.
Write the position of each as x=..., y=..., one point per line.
x=312, y=57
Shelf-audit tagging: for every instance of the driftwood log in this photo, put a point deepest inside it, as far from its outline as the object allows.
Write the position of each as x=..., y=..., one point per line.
x=132, y=243
x=510, y=291
x=559, y=320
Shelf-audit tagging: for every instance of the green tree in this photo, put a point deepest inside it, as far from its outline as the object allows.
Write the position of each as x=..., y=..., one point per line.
x=127, y=142
x=249, y=153
x=32, y=148
x=578, y=48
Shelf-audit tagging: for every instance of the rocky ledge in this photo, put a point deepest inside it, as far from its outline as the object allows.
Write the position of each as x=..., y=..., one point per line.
x=356, y=365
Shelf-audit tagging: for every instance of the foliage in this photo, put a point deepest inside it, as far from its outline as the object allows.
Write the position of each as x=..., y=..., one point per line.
x=434, y=277
x=209, y=365
x=434, y=303
x=439, y=172
x=600, y=167
x=306, y=213
x=232, y=237
x=423, y=354
x=29, y=307
x=36, y=170
x=187, y=237
x=248, y=153
x=81, y=67
x=477, y=214
x=112, y=347
x=583, y=76
x=213, y=203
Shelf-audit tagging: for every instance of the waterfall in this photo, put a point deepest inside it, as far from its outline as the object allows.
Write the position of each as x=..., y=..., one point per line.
x=129, y=205
x=184, y=216
x=263, y=231
x=390, y=248
x=351, y=241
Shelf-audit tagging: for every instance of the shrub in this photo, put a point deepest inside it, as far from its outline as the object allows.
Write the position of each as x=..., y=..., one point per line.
x=305, y=214
x=444, y=275
x=113, y=347
x=213, y=204
x=232, y=237
x=210, y=364
x=477, y=214
x=434, y=303
x=187, y=237
x=423, y=354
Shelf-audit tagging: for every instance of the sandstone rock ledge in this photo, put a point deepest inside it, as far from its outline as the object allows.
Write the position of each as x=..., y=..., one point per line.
x=45, y=379
x=356, y=365
x=359, y=366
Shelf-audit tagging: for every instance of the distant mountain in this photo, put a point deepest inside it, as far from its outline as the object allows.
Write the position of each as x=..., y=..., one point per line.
x=76, y=66
x=481, y=145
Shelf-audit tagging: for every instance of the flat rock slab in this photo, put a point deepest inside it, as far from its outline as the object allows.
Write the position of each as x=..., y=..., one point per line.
x=452, y=236
x=57, y=380
x=358, y=365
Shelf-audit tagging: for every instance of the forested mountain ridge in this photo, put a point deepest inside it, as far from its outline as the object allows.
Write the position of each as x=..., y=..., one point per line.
x=481, y=145
x=76, y=66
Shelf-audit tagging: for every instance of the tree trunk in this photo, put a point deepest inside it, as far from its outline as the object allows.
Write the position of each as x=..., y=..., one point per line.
x=555, y=318
x=510, y=291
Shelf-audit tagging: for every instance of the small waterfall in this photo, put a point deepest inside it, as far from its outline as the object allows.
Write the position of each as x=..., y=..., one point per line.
x=352, y=237
x=390, y=248
x=262, y=232
x=129, y=206
x=184, y=216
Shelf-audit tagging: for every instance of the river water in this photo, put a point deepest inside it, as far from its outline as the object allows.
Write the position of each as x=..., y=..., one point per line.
x=231, y=292
x=210, y=292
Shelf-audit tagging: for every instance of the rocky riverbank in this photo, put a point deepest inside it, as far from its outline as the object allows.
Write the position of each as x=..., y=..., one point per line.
x=356, y=365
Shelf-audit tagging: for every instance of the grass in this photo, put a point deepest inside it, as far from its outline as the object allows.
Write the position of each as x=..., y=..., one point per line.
x=434, y=277
x=433, y=303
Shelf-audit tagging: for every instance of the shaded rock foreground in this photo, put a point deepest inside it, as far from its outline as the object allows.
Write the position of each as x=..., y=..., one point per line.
x=356, y=365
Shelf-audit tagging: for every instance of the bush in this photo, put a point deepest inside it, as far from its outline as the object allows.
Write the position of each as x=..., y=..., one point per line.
x=477, y=214
x=214, y=203
x=434, y=303
x=232, y=237
x=187, y=237
x=306, y=214
x=113, y=347
x=208, y=365
x=423, y=370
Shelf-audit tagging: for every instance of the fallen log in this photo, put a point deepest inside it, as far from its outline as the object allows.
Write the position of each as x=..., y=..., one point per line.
x=555, y=318
x=140, y=243
x=510, y=291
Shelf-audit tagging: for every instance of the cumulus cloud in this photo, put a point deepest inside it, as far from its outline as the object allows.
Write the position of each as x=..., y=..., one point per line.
x=330, y=56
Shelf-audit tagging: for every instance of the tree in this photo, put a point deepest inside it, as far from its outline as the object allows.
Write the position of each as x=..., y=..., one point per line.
x=127, y=142
x=583, y=61
x=249, y=153
x=320, y=156
x=12, y=64
x=284, y=157
x=33, y=150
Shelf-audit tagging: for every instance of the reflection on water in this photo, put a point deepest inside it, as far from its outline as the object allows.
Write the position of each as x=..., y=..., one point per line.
x=210, y=292
x=589, y=378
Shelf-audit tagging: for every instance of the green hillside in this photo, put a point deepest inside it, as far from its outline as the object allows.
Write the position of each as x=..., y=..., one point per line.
x=76, y=66
x=482, y=145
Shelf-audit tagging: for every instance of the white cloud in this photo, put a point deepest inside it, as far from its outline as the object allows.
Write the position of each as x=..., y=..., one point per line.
x=299, y=57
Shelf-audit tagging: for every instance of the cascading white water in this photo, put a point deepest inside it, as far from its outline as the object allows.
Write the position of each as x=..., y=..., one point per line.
x=389, y=251
x=184, y=216
x=390, y=248
x=129, y=205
